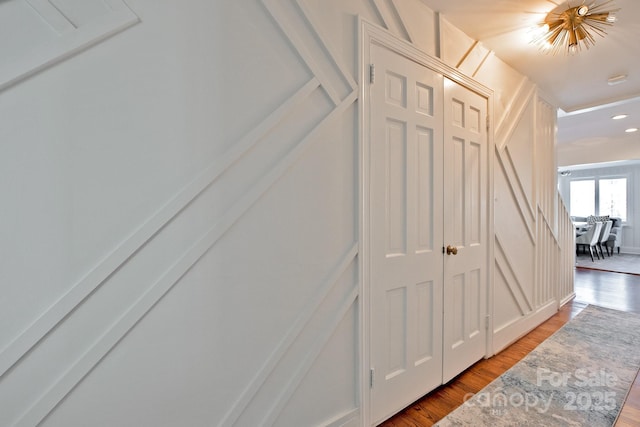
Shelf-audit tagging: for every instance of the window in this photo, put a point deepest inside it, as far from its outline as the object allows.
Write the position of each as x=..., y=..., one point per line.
x=583, y=197
x=600, y=196
x=613, y=197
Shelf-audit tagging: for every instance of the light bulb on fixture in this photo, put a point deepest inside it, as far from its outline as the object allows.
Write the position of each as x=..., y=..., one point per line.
x=570, y=28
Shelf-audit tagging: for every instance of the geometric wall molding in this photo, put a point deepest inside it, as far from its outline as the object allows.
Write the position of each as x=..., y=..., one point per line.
x=76, y=351
x=91, y=356
x=391, y=18
x=567, y=245
x=517, y=191
x=505, y=264
x=413, y=19
x=545, y=130
x=457, y=49
x=474, y=60
x=274, y=358
x=45, y=32
x=141, y=242
x=293, y=18
x=507, y=124
x=525, y=149
x=547, y=257
x=145, y=232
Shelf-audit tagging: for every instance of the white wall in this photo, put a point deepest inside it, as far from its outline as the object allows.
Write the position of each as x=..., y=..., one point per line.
x=629, y=170
x=598, y=150
x=179, y=207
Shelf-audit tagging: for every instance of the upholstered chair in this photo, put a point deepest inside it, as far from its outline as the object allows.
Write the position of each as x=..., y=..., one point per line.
x=590, y=239
x=615, y=236
x=604, y=237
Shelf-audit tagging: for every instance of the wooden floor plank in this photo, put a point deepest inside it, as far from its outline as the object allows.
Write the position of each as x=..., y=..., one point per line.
x=612, y=290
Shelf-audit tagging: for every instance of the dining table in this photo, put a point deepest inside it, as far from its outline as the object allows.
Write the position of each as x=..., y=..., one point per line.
x=581, y=227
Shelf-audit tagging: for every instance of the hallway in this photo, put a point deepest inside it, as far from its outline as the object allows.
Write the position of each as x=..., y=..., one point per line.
x=612, y=290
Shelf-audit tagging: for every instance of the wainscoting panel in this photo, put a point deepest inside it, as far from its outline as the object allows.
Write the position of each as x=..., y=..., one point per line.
x=535, y=223
x=458, y=50
x=180, y=219
x=528, y=274
x=46, y=32
x=413, y=18
x=86, y=324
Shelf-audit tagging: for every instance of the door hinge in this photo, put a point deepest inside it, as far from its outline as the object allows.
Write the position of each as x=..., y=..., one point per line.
x=372, y=73
x=486, y=323
x=371, y=376
x=488, y=123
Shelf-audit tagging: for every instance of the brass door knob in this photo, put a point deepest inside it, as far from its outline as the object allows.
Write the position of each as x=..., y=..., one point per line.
x=452, y=250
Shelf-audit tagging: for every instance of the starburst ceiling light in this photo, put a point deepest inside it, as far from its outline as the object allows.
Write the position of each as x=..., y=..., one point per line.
x=575, y=27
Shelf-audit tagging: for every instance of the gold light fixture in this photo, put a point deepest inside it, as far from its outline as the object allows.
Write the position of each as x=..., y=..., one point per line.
x=570, y=28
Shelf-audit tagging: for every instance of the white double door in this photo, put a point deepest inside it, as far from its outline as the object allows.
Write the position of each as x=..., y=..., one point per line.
x=427, y=233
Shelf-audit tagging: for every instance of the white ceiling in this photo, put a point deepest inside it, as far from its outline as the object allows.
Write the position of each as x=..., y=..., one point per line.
x=576, y=83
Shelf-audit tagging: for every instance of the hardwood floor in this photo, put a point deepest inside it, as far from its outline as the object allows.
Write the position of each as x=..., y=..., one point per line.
x=612, y=290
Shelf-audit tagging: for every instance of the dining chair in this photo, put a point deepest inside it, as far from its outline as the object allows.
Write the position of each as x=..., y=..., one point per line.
x=590, y=239
x=604, y=237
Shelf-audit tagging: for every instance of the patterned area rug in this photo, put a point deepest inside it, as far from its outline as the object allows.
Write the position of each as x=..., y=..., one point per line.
x=579, y=376
x=619, y=263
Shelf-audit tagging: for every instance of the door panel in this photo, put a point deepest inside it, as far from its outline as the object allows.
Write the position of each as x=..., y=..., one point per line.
x=456, y=186
x=465, y=195
x=395, y=152
x=406, y=232
x=428, y=189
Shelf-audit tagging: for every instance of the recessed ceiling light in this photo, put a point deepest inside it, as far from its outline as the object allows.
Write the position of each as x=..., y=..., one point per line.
x=614, y=80
x=631, y=130
x=619, y=116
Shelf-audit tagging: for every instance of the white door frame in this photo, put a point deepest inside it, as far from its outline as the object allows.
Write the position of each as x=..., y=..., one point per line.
x=372, y=34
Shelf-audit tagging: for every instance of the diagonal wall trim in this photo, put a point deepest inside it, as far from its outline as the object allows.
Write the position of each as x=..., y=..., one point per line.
x=68, y=380
x=545, y=148
x=501, y=272
x=524, y=199
x=308, y=15
x=507, y=169
x=413, y=32
x=66, y=45
x=289, y=338
x=486, y=57
x=398, y=17
x=52, y=15
x=304, y=46
x=547, y=255
x=467, y=53
x=378, y=12
x=548, y=225
x=512, y=113
x=306, y=363
x=391, y=18
x=506, y=266
x=138, y=238
x=566, y=239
